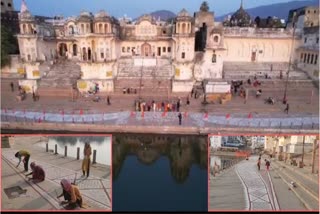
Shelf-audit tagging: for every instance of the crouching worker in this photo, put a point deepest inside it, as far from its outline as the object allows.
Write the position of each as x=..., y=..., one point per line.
x=26, y=155
x=37, y=173
x=71, y=194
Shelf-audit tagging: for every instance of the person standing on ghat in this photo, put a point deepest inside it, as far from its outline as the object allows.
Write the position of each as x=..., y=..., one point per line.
x=180, y=118
x=86, y=160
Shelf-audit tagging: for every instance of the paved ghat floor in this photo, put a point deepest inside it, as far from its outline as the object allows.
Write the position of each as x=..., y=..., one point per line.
x=243, y=187
x=96, y=189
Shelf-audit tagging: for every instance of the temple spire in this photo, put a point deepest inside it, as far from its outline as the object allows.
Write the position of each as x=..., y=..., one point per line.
x=241, y=6
x=24, y=7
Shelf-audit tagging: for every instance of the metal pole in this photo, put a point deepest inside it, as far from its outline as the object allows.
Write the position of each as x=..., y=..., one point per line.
x=313, y=154
x=94, y=156
x=78, y=153
x=56, y=149
x=290, y=59
x=47, y=147
x=65, y=151
x=304, y=138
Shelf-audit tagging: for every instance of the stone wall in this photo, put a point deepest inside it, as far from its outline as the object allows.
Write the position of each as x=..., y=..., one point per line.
x=33, y=70
x=104, y=85
x=182, y=86
x=265, y=49
x=29, y=85
x=97, y=70
x=183, y=71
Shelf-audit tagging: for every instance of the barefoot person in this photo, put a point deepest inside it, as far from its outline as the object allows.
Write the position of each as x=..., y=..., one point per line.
x=86, y=160
x=26, y=155
x=37, y=173
x=71, y=194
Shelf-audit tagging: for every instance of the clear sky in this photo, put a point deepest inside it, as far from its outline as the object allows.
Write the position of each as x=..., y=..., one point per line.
x=134, y=8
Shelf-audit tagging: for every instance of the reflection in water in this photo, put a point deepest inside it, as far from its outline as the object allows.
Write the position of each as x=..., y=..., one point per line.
x=168, y=173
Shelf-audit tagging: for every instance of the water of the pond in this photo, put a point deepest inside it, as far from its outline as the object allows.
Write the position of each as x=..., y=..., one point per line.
x=102, y=144
x=160, y=173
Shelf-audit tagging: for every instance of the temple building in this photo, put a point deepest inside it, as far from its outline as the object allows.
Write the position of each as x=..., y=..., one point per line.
x=161, y=56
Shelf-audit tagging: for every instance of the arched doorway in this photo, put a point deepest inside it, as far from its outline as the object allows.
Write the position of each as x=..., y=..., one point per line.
x=74, y=49
x=84, y=54
x=89, y=54
x=146, y=49
x=63, y=49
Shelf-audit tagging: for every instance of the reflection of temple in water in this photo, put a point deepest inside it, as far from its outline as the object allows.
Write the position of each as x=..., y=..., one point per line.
x=182, y=152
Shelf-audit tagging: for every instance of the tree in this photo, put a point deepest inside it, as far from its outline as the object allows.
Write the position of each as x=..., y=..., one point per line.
x=204, y=7
x=9, y=45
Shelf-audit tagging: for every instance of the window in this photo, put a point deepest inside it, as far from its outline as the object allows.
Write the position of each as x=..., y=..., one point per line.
x=2, y=3
x=316, y=59
x=308, y=11
x=102, y=55
x=123, y=49
x=183, y=55
x=305, y=40
x=128, y=49
x=164, y=32
x=216, y=39
x=308, y=59
x=169, y=49
x=305, y=58
x=311, y=61
x=9, y=5
x=301, y=57
x=214, y=58
x=317, y=40
x=311, y=24
x=164, y=49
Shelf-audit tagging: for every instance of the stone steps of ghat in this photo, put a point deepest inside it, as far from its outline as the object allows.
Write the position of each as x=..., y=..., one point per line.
x=55, y=91
x=264, y=66
x=62, y=75
x=260, y=74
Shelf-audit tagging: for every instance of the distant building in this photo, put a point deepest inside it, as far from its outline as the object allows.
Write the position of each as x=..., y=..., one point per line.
x=7, y=6
x=306, y=17
x=258, y=142
x=215, y=142
x=270, y=22
x=175, y=54
x=240, y=18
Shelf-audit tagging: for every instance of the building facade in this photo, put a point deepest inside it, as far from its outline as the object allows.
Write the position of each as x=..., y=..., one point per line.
x=181, y=52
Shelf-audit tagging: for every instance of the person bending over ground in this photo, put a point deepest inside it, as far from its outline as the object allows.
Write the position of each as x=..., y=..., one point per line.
x=26, y=155
x=71, y=194
x=37, y=173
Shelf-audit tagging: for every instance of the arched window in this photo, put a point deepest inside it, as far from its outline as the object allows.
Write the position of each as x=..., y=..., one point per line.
x=82, y=28
x=184, y=28
x=100, y=28
x=88, y=29
x=105, y=28
x=24, y=30
x=9, y=5
x=214, y=57
x=71, y=30
x=216, y=39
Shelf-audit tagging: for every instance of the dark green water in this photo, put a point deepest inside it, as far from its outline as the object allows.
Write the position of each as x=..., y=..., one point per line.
x=160, y=173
